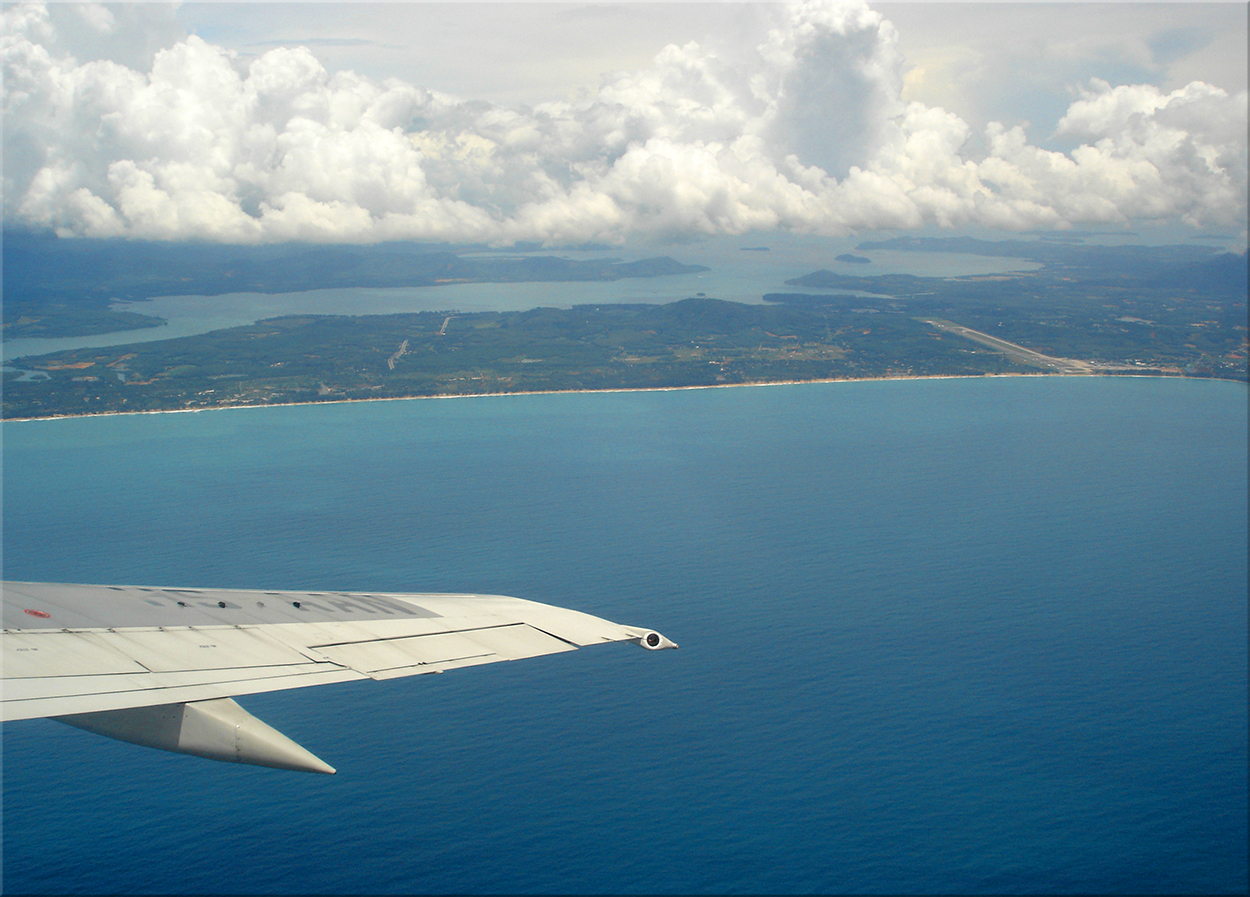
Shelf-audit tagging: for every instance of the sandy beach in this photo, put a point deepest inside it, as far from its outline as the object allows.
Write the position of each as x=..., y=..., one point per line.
x=483, y=395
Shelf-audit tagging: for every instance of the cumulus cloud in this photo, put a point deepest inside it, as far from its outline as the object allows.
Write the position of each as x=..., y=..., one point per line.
x=807, y=131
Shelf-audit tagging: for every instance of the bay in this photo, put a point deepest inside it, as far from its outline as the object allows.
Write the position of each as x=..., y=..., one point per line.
x=980, y=635
x=733, y=274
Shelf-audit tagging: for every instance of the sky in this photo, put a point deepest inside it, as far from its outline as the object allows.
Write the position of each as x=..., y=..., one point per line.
x=569, y=123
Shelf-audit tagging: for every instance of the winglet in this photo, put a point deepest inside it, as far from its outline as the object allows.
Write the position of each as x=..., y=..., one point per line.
x=218, y=729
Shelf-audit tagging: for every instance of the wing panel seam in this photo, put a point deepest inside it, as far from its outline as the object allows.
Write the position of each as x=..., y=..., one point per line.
x=417, y=635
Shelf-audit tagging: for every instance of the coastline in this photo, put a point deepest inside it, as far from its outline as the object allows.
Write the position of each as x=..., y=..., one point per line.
x=551, y=392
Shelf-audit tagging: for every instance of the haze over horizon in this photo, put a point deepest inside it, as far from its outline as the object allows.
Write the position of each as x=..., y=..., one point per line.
x=574, y=123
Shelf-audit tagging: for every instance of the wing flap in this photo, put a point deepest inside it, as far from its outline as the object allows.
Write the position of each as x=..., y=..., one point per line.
x=29, y=655
x=518, y=641
x=391, y=654
x=405, y=656
x=195, y=648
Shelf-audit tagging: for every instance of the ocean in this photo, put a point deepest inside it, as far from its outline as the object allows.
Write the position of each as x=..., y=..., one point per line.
x=971, y=636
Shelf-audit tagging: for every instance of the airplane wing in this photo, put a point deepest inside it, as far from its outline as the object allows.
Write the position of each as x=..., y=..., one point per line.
x=159, y=666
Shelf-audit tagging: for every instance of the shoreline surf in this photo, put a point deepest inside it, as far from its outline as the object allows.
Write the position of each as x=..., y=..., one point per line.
x=551, y=392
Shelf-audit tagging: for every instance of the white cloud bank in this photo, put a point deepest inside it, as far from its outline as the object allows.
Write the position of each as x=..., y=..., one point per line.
x=805, y=132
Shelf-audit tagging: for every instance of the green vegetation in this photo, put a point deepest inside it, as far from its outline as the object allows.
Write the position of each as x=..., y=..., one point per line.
x=1112, y=310
x=695, y=342
x=1175, y=309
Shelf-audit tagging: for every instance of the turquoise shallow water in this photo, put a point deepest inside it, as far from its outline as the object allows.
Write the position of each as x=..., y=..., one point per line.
x=937, y=636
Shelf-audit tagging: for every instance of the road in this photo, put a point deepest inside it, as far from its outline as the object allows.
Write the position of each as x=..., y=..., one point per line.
x=403, y=350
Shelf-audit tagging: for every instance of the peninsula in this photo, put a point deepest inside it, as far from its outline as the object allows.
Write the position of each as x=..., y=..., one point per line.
x=1088, y=310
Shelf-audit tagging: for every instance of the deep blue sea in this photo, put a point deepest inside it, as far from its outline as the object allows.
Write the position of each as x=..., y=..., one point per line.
x=982, y=635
